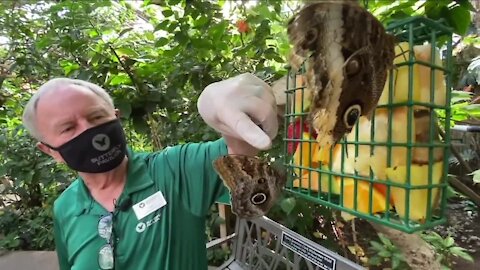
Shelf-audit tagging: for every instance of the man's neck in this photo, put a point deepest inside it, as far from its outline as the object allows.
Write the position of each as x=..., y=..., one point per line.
x=106, y=181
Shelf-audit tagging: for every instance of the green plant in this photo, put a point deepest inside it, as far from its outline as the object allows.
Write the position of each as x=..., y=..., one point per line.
x=386, y=251
x=30, y=185
x=218, y=254
x=461, y=108
x=445, y=248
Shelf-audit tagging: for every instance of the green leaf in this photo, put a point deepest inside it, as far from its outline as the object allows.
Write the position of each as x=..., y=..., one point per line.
x=68, y=66
x=217, y=30
x=124, y=31
x=376, y=245
x=395, y=263
x=124, y=107
x=149, y=36
x=466, y=4
x=92, y=33
x=398, y=255
x=126, y=51
x=385, y=254
x=460, y=96
x=375, y=260
x=167, y=13
x=161, y=42
x=460, y=252
x=287, y=205
x=444, y=267
x=472, y=109
x=181, y=37
x=201, y=21
x=459, y=18
x=384, y=239
x=162, y=26
x=43, y=42
x=173, y=2
x=435, y=9
x=121, y=78
x=448, y=241
x=140, y=125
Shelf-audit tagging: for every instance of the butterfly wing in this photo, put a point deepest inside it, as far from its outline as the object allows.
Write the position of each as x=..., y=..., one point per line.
x=346, y=53
x=254, y=185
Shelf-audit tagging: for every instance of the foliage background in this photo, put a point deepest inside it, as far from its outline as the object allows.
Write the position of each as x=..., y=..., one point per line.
x=154, y=58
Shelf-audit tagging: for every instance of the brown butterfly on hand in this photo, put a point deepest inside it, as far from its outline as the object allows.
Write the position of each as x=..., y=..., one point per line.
x=254, y=184
x=346, y=54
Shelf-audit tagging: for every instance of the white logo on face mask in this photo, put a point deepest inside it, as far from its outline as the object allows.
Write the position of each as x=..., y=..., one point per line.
x=101, y=142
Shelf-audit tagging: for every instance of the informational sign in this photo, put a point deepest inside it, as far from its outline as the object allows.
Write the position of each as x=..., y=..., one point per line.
x=308, y=251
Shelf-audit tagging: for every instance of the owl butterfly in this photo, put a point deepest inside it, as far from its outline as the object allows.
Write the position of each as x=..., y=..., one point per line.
x=347, y=54
x=254, y=184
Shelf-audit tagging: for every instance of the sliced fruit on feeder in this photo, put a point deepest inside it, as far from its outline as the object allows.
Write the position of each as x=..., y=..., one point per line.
x=362, y=196
x=418, y=202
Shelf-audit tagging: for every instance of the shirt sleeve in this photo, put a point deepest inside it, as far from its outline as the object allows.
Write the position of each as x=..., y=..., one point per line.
x=60, y=246
x=196, y=182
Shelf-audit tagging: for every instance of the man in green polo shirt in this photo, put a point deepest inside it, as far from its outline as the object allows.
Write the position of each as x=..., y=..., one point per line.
x=131, y=210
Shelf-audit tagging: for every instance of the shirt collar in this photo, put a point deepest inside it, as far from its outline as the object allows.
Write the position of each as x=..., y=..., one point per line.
x=138, y=178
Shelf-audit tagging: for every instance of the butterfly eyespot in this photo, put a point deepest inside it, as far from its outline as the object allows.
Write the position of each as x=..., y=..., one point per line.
x=310, y=38
x=261, y=180
x=351, y=115
x=352, y=68
x=258, y=198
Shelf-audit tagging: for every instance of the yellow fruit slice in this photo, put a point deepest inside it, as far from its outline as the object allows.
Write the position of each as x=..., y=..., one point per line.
x=305, y=153
x=424, y=74
x=302, y=98
x=317, y=181
x=399, y=134
x=359, y=156
x=418, y=204
x=420, y=154
x=324, y=156
x=421, y=80
x=362, y=196
x=400, y=77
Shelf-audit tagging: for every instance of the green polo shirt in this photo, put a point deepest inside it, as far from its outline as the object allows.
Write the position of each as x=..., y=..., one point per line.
x=172, y=237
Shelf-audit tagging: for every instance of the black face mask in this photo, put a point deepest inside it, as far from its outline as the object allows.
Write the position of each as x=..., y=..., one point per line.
x=96, y=150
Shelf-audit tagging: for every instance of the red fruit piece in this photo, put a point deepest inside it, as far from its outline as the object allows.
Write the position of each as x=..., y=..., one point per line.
x=295, y=130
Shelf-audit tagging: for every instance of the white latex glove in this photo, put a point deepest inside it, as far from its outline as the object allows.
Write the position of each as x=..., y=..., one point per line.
x=242, y=107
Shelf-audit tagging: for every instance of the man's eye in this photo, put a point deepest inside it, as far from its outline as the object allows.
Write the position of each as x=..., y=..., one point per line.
x=67, y=129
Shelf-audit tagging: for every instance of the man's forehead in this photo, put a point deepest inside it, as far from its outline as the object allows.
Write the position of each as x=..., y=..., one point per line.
x=57, y=101
x=67, y=94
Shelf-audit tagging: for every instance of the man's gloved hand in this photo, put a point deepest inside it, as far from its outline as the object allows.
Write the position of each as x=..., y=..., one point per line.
x=241, y=108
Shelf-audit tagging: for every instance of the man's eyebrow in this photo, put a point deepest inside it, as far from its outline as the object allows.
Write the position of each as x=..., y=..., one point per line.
x=96, y=111
x=66, y=121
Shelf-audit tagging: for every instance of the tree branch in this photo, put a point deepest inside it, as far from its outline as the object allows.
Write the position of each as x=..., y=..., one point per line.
x=139, y=86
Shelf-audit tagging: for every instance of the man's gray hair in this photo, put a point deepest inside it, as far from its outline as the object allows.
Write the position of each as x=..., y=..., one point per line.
x=30, y=112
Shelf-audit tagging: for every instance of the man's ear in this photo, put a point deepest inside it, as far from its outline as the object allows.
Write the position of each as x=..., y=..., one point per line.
x=49, y=151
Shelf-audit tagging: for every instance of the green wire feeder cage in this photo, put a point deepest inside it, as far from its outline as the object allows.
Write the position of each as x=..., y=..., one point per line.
x=391, y=169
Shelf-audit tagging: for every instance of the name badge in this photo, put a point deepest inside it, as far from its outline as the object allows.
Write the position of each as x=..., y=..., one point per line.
x=149, y=205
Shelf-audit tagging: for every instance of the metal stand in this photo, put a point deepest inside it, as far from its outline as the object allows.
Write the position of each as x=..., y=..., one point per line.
x=265, y=244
